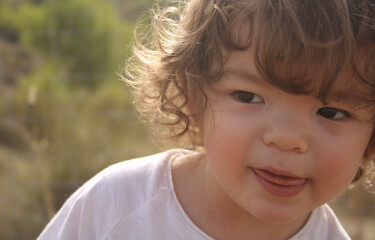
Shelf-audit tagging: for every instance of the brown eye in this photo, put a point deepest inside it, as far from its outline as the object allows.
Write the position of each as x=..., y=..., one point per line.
x=333, y=113
x=247, y=97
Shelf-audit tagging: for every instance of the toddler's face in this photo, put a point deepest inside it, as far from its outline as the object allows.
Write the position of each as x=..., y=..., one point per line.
x=276, y=155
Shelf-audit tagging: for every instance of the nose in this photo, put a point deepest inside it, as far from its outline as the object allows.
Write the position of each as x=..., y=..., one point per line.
x=287, y=132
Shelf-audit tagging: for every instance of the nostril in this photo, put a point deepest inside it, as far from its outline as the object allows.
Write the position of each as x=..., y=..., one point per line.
x=290, y=141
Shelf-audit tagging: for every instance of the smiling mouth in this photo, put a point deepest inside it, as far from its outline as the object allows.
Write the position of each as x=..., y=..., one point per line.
x=280, y=185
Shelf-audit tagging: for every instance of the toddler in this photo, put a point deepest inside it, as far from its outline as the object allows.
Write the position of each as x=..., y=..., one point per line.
x=269, y=107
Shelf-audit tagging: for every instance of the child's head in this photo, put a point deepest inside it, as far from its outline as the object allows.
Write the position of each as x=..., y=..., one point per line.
x=300, y=47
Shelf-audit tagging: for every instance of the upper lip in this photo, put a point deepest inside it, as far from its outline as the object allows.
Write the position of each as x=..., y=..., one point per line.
x=279, y=177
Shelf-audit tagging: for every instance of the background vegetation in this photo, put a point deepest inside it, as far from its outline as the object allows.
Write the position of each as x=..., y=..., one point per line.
x=65, y=115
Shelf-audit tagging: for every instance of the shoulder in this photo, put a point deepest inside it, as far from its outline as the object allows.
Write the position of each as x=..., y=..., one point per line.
x=322, y=224
x=146, y=176
x=138, y=179
x=122, y=180
x=112, y=195
x=139, y=175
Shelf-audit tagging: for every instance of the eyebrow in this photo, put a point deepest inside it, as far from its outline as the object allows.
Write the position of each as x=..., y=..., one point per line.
x=244, y=74
x=354, y=99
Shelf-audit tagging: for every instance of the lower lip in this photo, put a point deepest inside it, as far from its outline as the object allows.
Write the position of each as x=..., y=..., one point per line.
x=277, y=189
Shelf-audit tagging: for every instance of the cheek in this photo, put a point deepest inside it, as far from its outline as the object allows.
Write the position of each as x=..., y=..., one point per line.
x=340, y=169
x=333, y=175
x=337, y=159
x=337, y=167
x=229, y=138
x=218, y=129
x=342, y=150
x=225, y=141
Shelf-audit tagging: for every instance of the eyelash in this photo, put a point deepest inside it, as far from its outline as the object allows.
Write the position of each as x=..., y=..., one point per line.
x=331, y=113
x=247, y=97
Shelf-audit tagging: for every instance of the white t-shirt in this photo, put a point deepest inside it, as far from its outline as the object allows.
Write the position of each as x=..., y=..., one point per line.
x=135, y=199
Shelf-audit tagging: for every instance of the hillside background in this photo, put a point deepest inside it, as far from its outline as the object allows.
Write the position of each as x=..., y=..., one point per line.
x=65, y=114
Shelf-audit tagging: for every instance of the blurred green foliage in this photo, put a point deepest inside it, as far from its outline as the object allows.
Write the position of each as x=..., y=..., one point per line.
x=64, y=113
x=83, y=38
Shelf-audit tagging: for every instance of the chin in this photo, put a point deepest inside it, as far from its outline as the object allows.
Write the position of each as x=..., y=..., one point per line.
x=279, y=216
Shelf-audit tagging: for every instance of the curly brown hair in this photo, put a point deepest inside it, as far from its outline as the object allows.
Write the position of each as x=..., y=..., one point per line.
x=188, y=43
